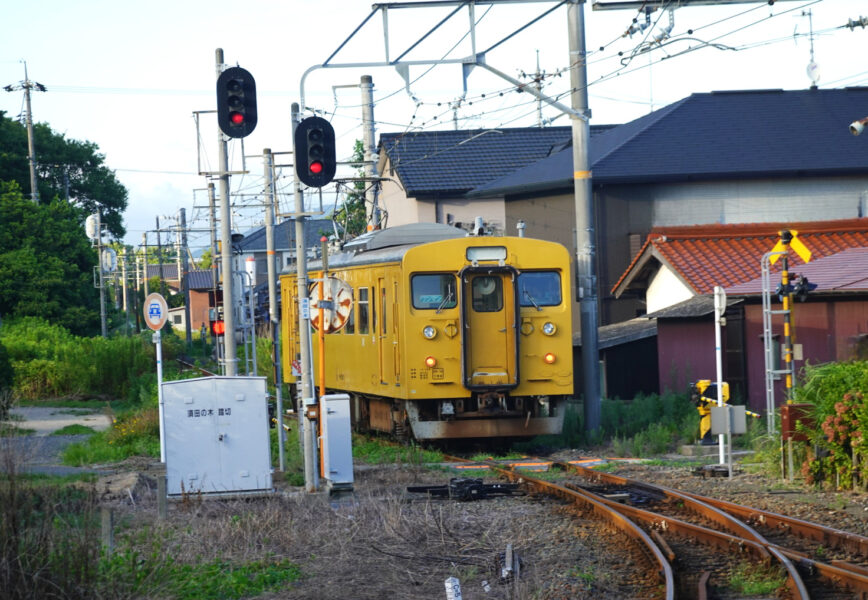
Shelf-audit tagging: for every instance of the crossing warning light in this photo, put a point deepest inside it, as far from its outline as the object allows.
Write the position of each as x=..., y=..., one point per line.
x=236, y=102
x=218, y=328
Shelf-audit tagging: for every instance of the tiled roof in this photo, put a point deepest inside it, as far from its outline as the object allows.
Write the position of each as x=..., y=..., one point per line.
x=717, y=135
x=704, y=256
x=845, y=271
x=200, y=280
x=170, y=271
x=454, y=162
x=284, y=236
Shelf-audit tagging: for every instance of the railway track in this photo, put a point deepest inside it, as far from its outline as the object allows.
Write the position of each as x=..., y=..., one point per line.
x=692, y=544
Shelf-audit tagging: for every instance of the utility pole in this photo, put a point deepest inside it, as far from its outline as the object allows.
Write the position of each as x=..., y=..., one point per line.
x=273, y=317
x=28, y=85
x=586, y=254
x=230, y=357
x=370, y=150
x=212, y=227
x=537, y=77
x=185, y=284
x=102, y=317
x=145, y=263
x=160, y=259
x=306, y=389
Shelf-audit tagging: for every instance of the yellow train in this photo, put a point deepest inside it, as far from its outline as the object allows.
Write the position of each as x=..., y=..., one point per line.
x=444, y=335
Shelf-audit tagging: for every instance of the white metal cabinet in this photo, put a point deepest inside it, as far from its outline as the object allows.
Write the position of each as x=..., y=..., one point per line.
x=217, y=436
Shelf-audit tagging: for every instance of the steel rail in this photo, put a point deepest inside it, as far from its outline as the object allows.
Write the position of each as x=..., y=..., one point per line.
x=607, y=513
x=828, y=536
x=853, y=576
x=723, y=519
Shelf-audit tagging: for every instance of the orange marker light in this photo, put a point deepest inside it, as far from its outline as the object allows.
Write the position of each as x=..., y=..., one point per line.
x=430, y=362
x=549, y=358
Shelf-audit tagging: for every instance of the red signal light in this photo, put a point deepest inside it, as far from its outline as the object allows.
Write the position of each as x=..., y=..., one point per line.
x=218, y=327
x=237, y=118
x=315, y=167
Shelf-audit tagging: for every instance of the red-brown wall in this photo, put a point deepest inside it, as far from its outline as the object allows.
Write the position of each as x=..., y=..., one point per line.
x=828, y=330
x=685, y=352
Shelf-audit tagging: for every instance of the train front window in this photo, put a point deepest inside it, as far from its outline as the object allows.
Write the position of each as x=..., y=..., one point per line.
x=539, y=288
x=487, y=293
x=435, y=291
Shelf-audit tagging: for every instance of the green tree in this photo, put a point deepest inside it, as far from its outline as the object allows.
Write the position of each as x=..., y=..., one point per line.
x=46, y=262
x=352, y=216
x=65, y=169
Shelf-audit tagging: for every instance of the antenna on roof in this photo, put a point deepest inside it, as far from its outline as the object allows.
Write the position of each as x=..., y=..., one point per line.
x=813, y=69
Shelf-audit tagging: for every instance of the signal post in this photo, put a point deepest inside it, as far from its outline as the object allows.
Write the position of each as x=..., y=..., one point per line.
x=236, y=118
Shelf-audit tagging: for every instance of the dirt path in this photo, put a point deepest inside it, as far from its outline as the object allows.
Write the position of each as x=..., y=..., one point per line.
x=45, y=420
x=40, y=452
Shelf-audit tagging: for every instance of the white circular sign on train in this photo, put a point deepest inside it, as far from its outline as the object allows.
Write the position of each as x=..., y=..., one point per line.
x=338, y=303
x=156, y=311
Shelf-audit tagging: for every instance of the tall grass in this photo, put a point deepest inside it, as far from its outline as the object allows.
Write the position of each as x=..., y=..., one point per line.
x=49, y=535
x=651, y=424
x=50, y=362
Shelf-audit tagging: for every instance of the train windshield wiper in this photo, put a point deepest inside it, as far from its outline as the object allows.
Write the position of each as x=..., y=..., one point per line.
x=532, y=301
x=445, y=301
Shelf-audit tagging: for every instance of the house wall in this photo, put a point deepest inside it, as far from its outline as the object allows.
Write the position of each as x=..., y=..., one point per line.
x=634, y=209
x=828, y=330
x=665, y=290
x=685, y=352
x=199, y=309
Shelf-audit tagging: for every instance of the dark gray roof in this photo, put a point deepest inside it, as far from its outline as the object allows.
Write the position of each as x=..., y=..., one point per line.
x=284, y=236
x=200, y=280
x=717, y=135
x=698, y=306
x=437, y=163
x=625, y=332
x=170, y=271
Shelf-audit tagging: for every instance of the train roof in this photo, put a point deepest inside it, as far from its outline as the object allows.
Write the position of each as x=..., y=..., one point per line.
x=389, y=245
x=402, y=235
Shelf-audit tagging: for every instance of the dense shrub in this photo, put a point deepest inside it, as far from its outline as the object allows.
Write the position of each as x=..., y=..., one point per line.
x=837, y=392
x=48, y=361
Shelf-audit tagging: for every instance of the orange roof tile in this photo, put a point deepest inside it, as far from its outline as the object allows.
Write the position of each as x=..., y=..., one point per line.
x=708, y=255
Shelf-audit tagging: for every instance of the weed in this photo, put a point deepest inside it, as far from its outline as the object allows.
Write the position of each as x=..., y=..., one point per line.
x=756, y=580
x=381, y=451
x=74, y=429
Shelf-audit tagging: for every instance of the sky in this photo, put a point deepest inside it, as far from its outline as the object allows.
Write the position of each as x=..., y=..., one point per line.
x=129, y=77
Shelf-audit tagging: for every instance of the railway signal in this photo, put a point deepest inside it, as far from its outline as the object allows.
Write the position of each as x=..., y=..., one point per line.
x=315, y=162
x=236, y=102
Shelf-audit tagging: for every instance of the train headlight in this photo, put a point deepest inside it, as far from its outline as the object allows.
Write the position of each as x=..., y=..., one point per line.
x=429, y=332
x=549, y=358
x=549, y=328
x=430, y=362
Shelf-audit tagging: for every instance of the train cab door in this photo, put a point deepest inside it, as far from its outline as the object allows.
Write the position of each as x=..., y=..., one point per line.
x=490, y=317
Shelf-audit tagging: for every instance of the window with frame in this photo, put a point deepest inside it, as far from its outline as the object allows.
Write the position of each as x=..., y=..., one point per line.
x=486, y=292
x=539, y=288
x=350, y=327
x=434, y=291
x=363, y=310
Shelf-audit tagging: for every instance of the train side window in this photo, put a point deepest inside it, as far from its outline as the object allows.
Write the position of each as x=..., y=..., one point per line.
x=373, y=306
x=383, y=311
x=539, y=288
x=363, y=310
x=435, y=291
x=350, y=327
x=487, y=293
